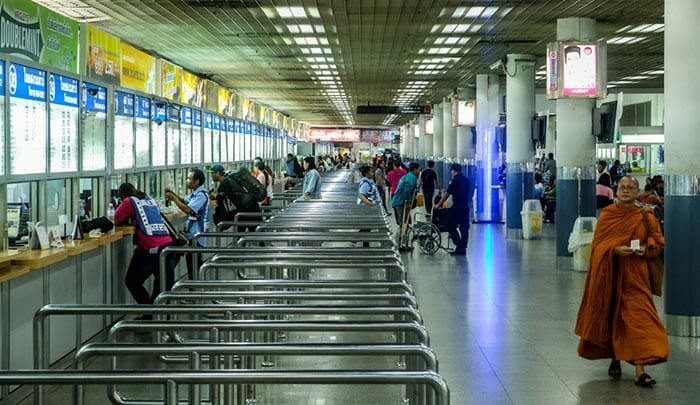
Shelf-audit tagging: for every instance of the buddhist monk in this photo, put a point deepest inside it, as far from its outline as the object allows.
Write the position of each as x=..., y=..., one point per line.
x=617, y=318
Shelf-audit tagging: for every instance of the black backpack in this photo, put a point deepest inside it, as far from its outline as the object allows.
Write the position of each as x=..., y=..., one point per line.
x=250, y=185
x=231, y=199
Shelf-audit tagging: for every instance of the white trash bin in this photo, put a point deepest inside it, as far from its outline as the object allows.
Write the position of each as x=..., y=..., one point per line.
x=580, y=242
x=532, y=219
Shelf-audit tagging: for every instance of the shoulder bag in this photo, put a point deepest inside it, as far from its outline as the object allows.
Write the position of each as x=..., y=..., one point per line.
x=655, y=264
x=179, y=238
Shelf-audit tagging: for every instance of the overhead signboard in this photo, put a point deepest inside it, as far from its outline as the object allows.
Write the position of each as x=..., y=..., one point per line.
x=335, y=135
x=405, y=109
x=138, y=69
x=463, y=113
x=103, y=56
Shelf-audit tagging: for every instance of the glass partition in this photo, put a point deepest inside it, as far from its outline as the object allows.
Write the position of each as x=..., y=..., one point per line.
x=238, y=140
x=196, y=136
x=114, y=182
x=63, y=125
x=90, y=198
x=231, y=139
x=27, y=142
x=173, y=129
x=155, y=189
x=216, y=139
x=185, y=135
x=57, y=214
x=158, y=134
x=247, y=139
x=94, y=127
x=207, y=139
x=142, y=138
x=123, y=130
x=21, y=210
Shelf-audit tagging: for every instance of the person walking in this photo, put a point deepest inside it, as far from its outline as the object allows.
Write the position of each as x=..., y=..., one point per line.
x=196, y=208
x=381, y=181
x=150, y=238
x=402, y=201
x=429, y=182
x=459, y=212
x=617, y=318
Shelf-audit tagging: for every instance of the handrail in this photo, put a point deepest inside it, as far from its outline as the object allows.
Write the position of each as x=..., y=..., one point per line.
x=216, y=326
x=395, y=272
x=195, y=354
x=172, y=296
x=296, y=284
x=171, y=379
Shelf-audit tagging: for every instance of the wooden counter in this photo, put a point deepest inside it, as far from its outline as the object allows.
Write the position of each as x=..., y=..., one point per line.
x=76, y=247
x=110, y=237
x=13, y=271
x=125, y=229
x=8, y=256
x=37, y=259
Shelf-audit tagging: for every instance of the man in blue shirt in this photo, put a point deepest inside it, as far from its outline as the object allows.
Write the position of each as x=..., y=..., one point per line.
x=459, y=212
x=196, y=208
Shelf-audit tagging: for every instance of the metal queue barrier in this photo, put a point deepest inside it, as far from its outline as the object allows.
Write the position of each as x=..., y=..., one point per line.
x=171, y=380
x=296, y=253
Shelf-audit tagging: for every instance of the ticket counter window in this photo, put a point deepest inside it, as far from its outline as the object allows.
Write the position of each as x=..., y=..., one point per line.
x=21, y=209
x=57, y=206
x=114, y=183
x=89, y=198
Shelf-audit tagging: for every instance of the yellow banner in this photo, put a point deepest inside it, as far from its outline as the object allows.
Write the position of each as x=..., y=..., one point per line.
x=138, y=69
x=224, y=97
x=191, y=89
x=170, y=82
x=103, y=60
x=211, y=101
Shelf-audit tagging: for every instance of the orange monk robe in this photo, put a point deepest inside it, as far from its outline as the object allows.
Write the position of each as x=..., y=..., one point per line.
x=629, y=326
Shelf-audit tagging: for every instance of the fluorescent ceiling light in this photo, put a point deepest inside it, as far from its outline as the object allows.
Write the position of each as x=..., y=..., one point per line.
x=647, y=28
x=623, y=82
x=654, y=72
x=306, y=28
x=293, y=28
x=451, y=40
x=623, y=29
x=320, y=29
x=624, y=40
x=459, y=12
x=284, y=12
x=489, y=11
x=298, y=12
x=506, y=11
x=636, y=78
x=440, y=40
x=475, y=27
x=474, y=12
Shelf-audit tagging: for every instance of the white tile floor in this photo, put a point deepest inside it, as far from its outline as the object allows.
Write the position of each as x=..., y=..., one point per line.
x=501, y=320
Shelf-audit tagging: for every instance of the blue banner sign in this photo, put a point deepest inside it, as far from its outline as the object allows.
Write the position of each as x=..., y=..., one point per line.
x=197, y=118
x=173, y=114
x=143, y=107
x=63, y=90
x=124, y=103
x=186, y=116
x=230, y=125
x=2, y=78
x=208, y=120
x=27, y=83
x=247, y=128
x=217, y=123
x=94, y=97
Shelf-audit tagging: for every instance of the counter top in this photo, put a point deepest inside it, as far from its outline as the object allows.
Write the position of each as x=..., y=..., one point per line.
x=76, y=247
x=37, y=259
x=125, y=229
x=8, y=256
x=110, y=237
x=13, y=271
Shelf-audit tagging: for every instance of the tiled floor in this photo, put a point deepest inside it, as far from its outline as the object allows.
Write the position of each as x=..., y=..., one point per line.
x=501, y=320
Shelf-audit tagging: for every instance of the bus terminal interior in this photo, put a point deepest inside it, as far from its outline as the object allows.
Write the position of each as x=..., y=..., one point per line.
x=324, y=300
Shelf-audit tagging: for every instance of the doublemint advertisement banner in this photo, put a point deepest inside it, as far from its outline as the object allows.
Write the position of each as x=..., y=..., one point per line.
x=34, y=32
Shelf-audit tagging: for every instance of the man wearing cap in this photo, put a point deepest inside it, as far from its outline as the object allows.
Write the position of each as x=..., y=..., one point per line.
x=228, y=199
x=196, y=208
x=459, y=212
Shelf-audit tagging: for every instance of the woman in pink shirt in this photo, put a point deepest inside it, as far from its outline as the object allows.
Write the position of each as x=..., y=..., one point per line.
x=150, y=238
x=603, y=191
x=395, y=175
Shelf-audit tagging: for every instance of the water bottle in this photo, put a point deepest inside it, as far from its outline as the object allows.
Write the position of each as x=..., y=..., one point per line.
x=110, y=212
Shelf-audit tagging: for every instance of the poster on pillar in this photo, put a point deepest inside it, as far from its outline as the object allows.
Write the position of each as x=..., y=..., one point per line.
x=576, y=70
x=463, y=113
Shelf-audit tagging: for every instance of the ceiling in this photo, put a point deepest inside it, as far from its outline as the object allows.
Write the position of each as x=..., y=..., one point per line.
x=318, y=60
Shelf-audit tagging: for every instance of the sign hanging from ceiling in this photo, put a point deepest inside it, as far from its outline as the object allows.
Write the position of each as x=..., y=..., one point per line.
x=404, y=109
x=335, y=135
x=103, y=56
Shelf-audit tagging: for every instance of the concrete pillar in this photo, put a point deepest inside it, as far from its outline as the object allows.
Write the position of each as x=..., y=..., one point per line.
x=404, y=146
x=487, y=207
x=466, y=147
x=449, y=146
x=428, y=151
x=520, y=107
x=682, y=168
x=420, y=122
x=438, y=125
x=575, y=148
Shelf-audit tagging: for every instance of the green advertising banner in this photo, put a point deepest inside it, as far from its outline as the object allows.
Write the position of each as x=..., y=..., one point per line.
x=34, y=32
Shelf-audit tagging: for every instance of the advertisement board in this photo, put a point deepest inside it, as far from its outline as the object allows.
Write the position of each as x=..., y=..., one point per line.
x=463, y=113
x=171, y=78
x=335, y=135
x=576, y=70
x=191, y=89
x=138, y=69
x=103, y=61
x=27, y=143
x=34, y=32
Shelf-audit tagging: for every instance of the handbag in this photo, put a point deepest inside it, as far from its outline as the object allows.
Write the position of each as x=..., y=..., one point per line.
x=655, y=264
x=178, y=237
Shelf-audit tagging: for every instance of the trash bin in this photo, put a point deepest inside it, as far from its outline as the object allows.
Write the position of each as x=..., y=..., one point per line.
x=580, y=242
x=532, y=219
